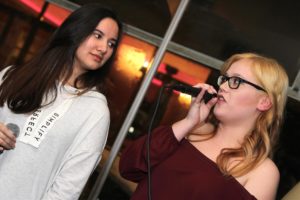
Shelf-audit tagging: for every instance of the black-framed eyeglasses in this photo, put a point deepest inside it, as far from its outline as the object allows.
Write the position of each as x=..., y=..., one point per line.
x=234, y=82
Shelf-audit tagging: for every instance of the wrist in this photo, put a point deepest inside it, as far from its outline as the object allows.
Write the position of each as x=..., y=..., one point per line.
x=182, y=128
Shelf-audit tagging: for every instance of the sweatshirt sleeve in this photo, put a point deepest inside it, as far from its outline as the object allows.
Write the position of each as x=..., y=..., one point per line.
x=81, y=160
x=73, y=177
x=133, y=161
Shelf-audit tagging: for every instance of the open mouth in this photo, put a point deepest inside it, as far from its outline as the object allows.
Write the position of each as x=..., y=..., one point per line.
x=221, y=98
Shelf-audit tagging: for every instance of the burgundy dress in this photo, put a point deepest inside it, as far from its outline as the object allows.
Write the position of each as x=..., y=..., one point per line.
x=179, y=171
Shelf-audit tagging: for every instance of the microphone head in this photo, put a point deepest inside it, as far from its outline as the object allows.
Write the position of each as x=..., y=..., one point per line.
x=14, y=128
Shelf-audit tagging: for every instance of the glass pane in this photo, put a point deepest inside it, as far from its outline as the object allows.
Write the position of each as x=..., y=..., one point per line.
x=221, y=28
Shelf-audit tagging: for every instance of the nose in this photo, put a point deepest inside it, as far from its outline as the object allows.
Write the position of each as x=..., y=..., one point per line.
x=102, y=46
x=224, y=85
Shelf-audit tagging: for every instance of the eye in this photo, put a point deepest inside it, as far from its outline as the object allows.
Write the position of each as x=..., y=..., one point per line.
x=235, y=81
x=111, y=44
x=223, y=79
x=97, y=35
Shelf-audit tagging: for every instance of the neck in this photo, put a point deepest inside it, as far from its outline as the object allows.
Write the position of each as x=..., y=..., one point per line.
x=232, y=135
x=75, y=74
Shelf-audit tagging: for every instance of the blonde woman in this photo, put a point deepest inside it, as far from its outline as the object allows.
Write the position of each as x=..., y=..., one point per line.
x=193, y=159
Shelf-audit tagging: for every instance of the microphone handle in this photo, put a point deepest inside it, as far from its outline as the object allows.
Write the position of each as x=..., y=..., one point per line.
x=193, y=91
x=14, y=128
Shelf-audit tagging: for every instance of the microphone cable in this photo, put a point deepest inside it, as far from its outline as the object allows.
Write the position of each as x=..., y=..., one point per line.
x=149, y=140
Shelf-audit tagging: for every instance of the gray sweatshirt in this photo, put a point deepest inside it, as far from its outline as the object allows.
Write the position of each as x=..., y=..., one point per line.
x=70, y=150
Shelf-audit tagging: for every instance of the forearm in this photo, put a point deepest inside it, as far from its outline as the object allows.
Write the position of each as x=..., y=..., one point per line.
x=182, y=128
x=133, y=162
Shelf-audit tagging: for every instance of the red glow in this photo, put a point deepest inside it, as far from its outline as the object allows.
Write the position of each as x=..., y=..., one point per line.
x=54, y=14
x=157, y=82
x=36, y=5
x=181, y=76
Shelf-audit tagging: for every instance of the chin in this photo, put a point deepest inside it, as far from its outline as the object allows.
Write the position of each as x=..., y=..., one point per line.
x=218, y=113
x=94, y=66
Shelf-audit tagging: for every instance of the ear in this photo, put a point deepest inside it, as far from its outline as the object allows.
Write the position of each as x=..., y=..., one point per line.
x=264, y=103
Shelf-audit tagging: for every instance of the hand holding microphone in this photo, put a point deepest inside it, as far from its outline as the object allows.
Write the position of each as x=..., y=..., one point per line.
x=8, y=134
x=193, y=91
x=200, y=107
x=202, y=104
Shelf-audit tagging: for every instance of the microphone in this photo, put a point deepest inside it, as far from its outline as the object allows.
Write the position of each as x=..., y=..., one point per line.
x=14, y=128
x=192, y=91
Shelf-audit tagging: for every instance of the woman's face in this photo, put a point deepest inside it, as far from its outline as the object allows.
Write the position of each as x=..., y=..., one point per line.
x=97, y=48
x=241, y=103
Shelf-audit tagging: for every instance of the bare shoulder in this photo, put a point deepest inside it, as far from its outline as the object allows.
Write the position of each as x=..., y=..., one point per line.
x=267, y=167
x=263, y=181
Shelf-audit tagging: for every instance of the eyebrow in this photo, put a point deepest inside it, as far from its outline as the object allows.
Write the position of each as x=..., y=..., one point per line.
x=99, y=31
x=235, y=75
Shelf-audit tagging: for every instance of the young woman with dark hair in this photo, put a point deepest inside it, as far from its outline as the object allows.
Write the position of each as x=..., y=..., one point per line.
x=56, y=101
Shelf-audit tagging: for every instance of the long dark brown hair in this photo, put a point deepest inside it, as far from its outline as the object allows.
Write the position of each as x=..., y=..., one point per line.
x=24, y=86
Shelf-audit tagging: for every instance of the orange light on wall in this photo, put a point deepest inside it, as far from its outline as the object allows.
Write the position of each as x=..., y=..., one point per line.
x=188, y=71
x=184, y=99
x=130, y=60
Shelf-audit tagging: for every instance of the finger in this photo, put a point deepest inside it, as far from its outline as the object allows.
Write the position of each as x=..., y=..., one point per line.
x=7, y=139
x=212, y=90
x=200, y=95
x=204, y=88
x=8, y=133
x=6, y=145
x=211, y=102
x=202, y=92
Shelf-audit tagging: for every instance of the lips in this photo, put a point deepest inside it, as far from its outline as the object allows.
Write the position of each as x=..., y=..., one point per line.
x=221, y=98
x=97, y=57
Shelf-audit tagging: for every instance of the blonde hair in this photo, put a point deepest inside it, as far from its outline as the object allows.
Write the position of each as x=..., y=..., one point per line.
x=258, y=145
